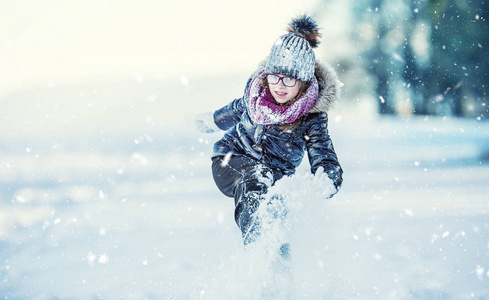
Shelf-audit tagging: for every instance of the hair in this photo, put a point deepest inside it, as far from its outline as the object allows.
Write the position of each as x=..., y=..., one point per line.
x=302, y=89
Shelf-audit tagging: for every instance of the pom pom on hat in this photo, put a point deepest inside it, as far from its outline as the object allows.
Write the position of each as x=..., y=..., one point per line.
x=305, y=27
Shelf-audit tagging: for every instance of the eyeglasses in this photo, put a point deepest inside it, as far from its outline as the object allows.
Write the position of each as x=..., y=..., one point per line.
x=287, y=81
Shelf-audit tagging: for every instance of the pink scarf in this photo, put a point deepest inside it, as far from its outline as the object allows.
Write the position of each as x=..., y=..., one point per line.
x=264, y=110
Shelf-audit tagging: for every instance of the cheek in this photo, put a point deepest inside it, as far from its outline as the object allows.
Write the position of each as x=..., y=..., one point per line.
x=294, y=91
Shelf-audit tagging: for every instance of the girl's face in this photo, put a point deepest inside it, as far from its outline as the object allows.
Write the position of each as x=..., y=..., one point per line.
x=282, y=93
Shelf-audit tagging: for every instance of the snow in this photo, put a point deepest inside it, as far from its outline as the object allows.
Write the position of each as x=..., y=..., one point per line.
x=107, y=193
x=99, y=203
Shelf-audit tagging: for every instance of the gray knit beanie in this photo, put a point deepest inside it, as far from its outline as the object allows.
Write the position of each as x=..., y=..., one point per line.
x=292, y=54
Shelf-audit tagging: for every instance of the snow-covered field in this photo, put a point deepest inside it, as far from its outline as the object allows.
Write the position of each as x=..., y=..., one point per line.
x=106, y=193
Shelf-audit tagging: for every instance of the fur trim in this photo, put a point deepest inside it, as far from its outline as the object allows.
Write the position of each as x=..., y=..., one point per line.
x=329, y=86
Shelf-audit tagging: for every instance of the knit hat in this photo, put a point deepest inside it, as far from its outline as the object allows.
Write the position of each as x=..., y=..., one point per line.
x=292, y=54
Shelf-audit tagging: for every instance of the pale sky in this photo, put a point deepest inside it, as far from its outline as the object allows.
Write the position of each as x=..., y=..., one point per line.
x=45, y=42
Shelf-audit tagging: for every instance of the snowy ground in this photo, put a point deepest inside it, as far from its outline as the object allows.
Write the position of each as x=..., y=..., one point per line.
x=109, y=196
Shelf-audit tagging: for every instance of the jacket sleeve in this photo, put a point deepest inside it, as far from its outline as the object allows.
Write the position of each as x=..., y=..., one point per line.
x=320, y=149
x=229, y=115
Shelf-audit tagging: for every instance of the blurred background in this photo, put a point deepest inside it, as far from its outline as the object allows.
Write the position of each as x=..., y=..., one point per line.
x=105, y=188
x=409, y=57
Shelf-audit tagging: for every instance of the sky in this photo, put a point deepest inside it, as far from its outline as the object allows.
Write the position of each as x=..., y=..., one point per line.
x=51, y=42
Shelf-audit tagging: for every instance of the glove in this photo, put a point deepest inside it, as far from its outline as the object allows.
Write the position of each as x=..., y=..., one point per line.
x=204, y=123
x=325, y=185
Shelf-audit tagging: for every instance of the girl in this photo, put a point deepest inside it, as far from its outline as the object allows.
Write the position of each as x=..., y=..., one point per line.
x=281, y=115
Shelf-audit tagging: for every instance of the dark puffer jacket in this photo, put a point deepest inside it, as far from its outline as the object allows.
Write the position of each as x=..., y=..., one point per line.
x=281, y=150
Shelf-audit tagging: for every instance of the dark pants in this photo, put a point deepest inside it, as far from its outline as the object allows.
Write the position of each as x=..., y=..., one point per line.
x=247, y=181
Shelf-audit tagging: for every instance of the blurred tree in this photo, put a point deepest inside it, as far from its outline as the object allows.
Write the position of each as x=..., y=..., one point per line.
x=460, y=64
x=383, y=54
x=417, y=57
x=436, y=48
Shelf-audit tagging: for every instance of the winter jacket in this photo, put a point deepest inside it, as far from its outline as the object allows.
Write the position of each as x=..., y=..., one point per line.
x=282, y=150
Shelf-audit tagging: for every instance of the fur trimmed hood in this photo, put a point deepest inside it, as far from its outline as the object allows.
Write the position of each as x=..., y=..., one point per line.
x=329, y=86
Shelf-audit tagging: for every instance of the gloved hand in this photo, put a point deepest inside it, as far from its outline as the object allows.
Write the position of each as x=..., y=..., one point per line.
x=204, y=122
x=323, y=184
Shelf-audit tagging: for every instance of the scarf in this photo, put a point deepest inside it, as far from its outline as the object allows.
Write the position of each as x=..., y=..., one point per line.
x=264, y=110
